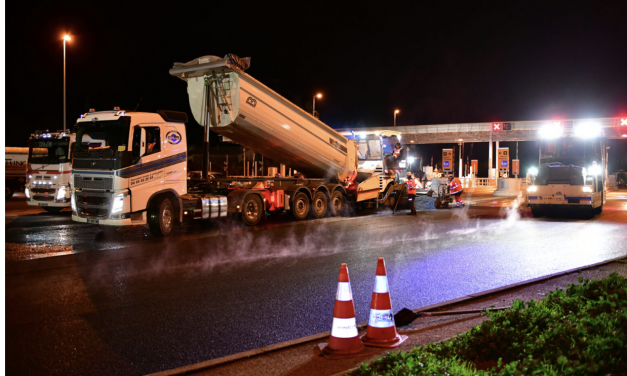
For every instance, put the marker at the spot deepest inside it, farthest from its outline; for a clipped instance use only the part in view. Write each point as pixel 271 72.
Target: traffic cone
pixel 344 341
pixel 381 331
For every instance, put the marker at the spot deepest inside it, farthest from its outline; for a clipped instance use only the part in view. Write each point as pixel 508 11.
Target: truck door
pixel 147 176
pixel 175 153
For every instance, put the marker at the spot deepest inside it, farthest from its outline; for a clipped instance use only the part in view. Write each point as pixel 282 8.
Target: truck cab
pixel 130 168
pixel 48 170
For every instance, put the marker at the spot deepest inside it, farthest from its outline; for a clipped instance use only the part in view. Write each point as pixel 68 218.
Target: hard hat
pixel 409 174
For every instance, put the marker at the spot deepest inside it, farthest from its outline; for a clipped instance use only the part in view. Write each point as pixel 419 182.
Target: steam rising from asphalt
pixel 236 244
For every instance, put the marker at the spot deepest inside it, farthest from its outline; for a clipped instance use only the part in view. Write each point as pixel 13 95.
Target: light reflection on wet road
pixel 163 303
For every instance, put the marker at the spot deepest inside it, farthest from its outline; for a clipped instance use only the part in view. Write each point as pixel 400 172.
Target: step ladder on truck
pixel 140 175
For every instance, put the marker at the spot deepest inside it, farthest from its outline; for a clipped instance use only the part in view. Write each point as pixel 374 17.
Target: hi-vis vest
pixel 397 152
pixel 411 187
pixel 456 186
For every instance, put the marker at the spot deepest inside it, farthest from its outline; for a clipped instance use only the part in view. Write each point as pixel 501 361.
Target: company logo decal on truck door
pixel 251 101
pixel 173 137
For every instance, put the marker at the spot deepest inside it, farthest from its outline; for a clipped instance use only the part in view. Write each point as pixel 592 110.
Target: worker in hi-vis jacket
pixel 456 190
pixel 411 193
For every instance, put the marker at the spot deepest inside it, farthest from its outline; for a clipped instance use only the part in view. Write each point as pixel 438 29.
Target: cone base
pixel 338 354
pixel 387 343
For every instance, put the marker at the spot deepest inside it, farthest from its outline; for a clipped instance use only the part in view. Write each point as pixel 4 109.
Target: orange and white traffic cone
pixel 344 341
pixel 381 331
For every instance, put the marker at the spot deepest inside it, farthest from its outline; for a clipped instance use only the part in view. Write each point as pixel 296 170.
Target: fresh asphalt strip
pixel 193 368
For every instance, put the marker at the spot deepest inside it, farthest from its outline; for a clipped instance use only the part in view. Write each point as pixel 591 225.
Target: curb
pixel 185 370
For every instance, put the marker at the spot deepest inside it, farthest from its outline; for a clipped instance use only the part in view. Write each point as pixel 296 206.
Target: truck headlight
pixel 532 188
pixel 587 189
pixel 118 203
pixel 61 193
pixel 27 193
pixel 73 200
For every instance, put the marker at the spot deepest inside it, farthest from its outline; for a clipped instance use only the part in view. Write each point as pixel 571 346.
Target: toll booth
pixel 503 161
pixel 448 164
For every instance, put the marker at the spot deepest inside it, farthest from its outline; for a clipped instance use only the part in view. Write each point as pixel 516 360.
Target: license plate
pixel 94 221
pixel 43 204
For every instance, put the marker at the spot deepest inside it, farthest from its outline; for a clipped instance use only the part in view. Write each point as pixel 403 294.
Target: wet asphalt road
pixel 135 304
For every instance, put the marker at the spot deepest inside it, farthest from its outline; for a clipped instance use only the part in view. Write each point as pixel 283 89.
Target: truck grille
pixel 43 198
pixel 92 204
pixel 43 190
pixel 85 182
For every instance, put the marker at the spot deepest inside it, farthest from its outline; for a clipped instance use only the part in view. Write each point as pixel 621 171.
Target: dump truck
pixel 139 175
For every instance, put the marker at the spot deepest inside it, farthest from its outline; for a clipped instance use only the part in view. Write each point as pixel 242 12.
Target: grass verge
pixel 580 331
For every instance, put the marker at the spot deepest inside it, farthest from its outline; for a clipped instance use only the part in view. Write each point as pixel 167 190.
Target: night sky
pixel 438 62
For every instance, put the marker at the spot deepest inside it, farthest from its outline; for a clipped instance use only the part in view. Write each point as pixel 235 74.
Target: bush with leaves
pixel 580 331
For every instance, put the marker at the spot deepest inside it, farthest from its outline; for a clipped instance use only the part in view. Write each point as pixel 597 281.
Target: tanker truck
pixel 139 175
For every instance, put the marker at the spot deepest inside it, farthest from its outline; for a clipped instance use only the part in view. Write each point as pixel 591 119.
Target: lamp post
pixel 313 112
pixel 395 112
pixel 66 38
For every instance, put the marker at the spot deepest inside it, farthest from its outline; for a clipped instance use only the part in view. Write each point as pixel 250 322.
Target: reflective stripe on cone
pixel 344 340
pixel 381 331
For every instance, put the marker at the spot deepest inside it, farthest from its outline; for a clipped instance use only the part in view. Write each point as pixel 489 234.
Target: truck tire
pixel 52 209
pixel 252 210
pixel 300 207
pixel 319 205
pixel 8 191
pixel 336 206
pixel 161 216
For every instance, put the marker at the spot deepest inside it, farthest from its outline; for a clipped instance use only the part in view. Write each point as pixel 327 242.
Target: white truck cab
pixel 141 158
pixel 48 170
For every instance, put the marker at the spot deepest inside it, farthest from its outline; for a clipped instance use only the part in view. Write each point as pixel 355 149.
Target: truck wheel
pixel 336 206
pixel 161 217
pixel 52 209
pixel 301 206
pixel 252 210
pixel 319 205
pixel 598 210
pixel 8 191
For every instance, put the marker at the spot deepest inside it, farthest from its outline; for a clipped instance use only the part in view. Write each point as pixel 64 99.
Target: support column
pixel 496 176
pixel 490 157
pixel 461 160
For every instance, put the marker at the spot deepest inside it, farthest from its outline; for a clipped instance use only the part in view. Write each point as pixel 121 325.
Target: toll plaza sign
pixel 447 160
pixel 503 158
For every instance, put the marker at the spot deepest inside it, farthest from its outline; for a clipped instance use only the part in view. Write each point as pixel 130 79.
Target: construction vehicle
pixel 139 175
pixel 573 170
pixel 49 170
pixel 15 159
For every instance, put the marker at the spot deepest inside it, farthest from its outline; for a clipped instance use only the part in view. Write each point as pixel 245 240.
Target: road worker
pixel 456 190
pixel 397 150
pixel 411 193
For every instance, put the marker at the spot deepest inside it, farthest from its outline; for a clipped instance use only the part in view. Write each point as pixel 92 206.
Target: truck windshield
pixel 49 150
pixel 114 133
pixel 573 151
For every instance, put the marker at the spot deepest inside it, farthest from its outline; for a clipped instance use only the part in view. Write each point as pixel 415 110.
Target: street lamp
pixel 66 38
pixel 313 112
pixel 395 112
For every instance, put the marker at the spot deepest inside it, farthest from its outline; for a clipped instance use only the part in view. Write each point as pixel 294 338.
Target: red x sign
pixel 623 121
pixel 496 127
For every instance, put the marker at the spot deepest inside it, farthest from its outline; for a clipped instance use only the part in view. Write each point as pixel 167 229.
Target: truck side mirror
pixel 142 148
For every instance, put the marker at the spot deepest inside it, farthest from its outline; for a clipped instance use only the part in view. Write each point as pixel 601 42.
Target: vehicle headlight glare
pixel 118 203
pixel 532 188
pixel 533 171
pixel 61 193
pixel 73 200
pixel 587 189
